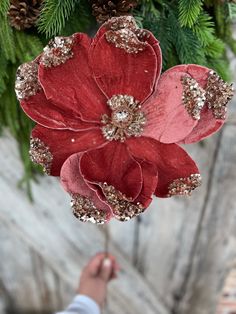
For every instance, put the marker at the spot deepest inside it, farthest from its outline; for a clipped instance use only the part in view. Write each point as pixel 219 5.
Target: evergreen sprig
pixel 189 11
pixel 54 16
pixel 4 7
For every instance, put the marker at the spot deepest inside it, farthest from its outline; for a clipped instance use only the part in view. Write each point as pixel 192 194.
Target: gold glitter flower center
pixel 122 117
pixel 126 118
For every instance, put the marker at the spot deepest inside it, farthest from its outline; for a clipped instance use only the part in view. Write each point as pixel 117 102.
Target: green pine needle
pixel 161 30
pixel 3 72
pixel 4 7
pixel 186 43
pixel 54 15
pixel 80 20
pixel 215 49
pixel 189 11
pixel 204 28
pixel 6 39
pixel 28 46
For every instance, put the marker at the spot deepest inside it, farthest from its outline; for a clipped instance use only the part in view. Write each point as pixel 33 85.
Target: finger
pixel 106 269
pixel 94 264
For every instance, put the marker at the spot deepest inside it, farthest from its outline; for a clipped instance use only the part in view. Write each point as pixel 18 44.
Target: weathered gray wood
pixel 26 281
pixel 168 229
pixel 216 240
pixel 48 228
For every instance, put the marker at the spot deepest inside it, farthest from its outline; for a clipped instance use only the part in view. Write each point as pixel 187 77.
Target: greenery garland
pixel 189 31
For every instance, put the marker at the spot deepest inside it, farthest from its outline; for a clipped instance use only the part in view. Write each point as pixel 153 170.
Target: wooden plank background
pixel 174 258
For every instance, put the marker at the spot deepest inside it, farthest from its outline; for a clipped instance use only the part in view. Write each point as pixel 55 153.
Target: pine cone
pixel 24 14
pixel 105 9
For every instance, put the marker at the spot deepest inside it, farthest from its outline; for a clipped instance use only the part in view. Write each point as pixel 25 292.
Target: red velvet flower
pixel 110 126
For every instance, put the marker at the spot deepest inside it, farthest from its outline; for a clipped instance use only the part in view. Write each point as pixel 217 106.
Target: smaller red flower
pixel 110 126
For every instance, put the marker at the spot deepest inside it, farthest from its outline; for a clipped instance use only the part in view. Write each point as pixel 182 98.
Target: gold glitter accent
pixel 85 210
pixel 58 51
pixel 40 154
pixel 27 83
pixel 218 94
pixel 126 119
pixel 128 22
pixel 125 39
pixel 184 186
pixel 122 207
pixel 194 97
pixel 117 23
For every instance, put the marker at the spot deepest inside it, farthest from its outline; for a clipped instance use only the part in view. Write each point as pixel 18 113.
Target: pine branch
pixel 4 7
pixel 54 15
pixel 80 20
pixel 161 29
pixel 6 39
pixel 189 11
pixel 204 28
pixel 215 49
pixel 187 45
pixel 28 46
pixel 3 72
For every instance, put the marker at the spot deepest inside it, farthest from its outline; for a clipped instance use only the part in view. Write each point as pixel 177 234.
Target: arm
pixel 93 285
pixel 82 305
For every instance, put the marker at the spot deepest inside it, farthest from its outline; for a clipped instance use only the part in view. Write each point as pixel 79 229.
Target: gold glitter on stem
pixel 184 186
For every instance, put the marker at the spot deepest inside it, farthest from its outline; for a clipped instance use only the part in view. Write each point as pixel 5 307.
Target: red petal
pixel 114 165
pixel 150 178
pixel 206 126
pixel 167 119
pixel 71 84
pixel 63 144
pixel 119 72
pixel 50 115
pixel 171 160
pixel 151 39
pixel 73 182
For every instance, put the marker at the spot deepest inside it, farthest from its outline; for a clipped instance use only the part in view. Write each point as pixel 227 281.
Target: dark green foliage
pixel 189 31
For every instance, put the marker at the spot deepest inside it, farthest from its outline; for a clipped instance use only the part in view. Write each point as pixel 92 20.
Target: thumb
pixel 106 269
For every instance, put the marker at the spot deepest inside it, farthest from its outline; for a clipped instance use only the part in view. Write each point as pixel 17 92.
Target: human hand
pixel 96 275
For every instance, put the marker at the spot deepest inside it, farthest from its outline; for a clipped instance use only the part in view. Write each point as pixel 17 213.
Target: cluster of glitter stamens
pixel 85 210
pixel 125 39
pixel 124 33
pixel 126 119
pixel 184 186
pixel 218 94
pixel 194 96
pixel 27 83
pixel 122 206
pixel 58 51
pixel 40 154
pixel 121 22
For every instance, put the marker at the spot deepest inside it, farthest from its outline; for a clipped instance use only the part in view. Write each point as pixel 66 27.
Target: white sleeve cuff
pixel 82 304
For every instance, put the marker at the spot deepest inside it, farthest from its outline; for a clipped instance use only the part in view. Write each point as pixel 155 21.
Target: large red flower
pixel 110 126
